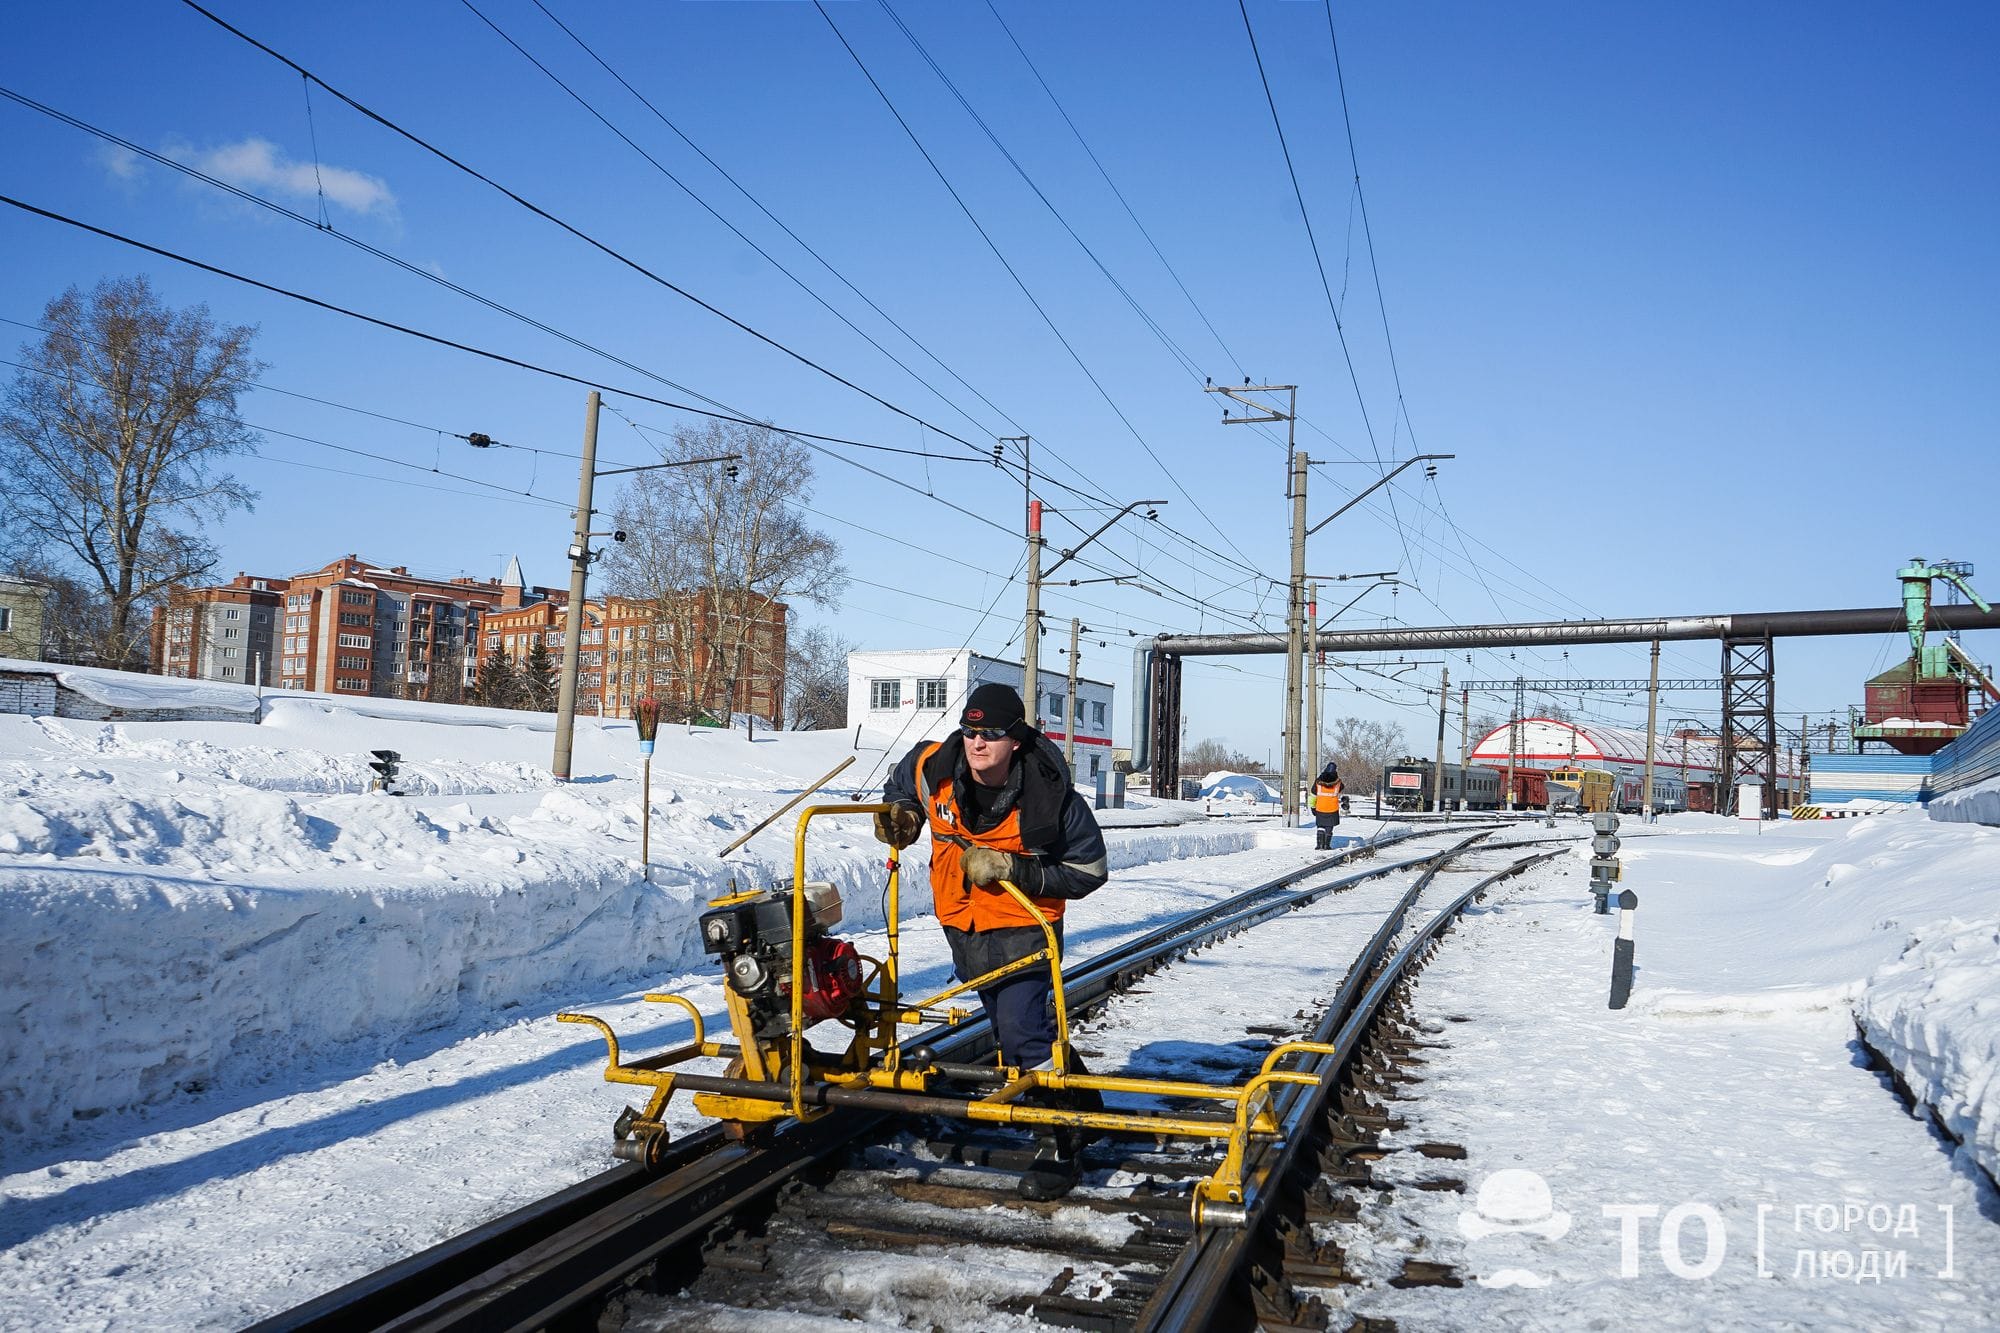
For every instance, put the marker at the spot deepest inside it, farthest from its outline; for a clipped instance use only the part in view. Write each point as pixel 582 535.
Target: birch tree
pixel 111 441
pixel 713 552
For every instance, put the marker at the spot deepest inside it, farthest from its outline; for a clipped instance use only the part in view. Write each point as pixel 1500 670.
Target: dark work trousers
pixel 1019 1007
pixel 1327 821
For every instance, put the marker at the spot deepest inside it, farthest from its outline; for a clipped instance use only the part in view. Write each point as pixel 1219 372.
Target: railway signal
pixel 1605 869
pixel 386 764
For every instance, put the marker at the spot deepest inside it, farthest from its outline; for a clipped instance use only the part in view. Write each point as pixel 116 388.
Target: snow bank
pixel 1934 1015
pixel 1978 804
pixel 184 909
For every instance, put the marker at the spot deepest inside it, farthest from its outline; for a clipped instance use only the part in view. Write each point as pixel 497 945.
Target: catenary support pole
pixel 1295 633
pixel 1031 634
pixel 1310 769
pixel 1070 707
pixel 1652 722
pixel 1464 746
pixel 1444 706
pixel 579 567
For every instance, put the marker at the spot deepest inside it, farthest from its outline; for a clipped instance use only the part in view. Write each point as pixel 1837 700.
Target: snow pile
pixel 1934 1015
pixel 192 904
pixel 1978 804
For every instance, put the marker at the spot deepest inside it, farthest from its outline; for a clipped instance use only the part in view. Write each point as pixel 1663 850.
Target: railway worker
pixel 1001 804
pixel 1326 804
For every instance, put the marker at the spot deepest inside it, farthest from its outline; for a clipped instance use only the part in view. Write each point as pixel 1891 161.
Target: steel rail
pixel 557 1252
pixel 1202 1286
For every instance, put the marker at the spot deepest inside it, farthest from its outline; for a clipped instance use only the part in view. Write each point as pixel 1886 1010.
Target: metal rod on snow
pixel 771 818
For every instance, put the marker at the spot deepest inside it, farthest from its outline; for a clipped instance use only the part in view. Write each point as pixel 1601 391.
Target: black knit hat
pixel 996 706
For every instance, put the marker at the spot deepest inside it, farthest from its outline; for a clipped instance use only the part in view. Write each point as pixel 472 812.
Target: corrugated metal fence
pixel 1971 759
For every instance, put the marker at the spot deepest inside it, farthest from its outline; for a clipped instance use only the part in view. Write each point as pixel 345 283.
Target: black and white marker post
pixel 1621 952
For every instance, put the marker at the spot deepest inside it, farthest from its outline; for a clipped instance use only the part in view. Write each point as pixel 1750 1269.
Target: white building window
pixel 354 640
pixel 231 632
pixel 232 613
pixel 1096 720
pixel 229 652
pixel 885 695
pixel 931 694
pixel 1055 710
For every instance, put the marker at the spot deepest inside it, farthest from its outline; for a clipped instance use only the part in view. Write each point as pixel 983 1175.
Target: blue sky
pixel 1702 297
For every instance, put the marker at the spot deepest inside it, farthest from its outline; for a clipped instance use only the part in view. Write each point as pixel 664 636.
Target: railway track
pixel 779 1217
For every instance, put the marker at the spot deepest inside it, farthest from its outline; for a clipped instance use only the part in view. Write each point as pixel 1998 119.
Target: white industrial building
pixel 916 695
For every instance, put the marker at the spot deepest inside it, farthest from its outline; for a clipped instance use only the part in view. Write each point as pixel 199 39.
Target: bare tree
pixel 110 439
pixel 816 679
pixel 715 553
pixel 1210 755
pixel 1363 747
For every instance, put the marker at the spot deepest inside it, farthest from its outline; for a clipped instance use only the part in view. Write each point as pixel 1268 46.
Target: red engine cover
pixel 832 979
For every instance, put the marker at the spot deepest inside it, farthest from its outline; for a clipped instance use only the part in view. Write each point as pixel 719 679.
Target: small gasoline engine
pixel 752 933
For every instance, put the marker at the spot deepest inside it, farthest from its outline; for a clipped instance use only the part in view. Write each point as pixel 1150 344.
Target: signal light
pixel 385 764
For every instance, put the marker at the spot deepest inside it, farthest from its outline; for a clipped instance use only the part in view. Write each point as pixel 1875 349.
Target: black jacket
pixel 1066 848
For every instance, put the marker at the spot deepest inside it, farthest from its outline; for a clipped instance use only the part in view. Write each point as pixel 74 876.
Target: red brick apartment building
pixel 354 627
pixel 689 654
pixel 349 627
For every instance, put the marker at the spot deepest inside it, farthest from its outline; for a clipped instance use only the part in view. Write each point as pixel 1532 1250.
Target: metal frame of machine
pixel 775 1074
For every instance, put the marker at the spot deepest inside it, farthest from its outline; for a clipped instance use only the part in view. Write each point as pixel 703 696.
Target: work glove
pixel 984 866
pixel 899 825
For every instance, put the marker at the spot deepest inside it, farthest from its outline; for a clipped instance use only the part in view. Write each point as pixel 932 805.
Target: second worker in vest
pixel 1000 804
pixel 1326 804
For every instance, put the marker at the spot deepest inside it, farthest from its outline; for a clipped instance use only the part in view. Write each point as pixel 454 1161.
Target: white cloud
pixel 119 162
pixel 257 164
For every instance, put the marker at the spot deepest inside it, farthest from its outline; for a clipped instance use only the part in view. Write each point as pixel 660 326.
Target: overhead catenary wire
pixel 577 232
pixel 971 217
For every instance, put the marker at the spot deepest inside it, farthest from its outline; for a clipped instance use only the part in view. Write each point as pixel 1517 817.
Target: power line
pixel 602 247
pixel 1119 194
pixel 1012 273
pixel 736 231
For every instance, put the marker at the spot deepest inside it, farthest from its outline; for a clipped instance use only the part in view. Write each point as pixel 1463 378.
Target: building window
pixel 346 684
pixel 353 664
pixel 931 694
pixel 6 619
pixel 1055 707
pixel 232 613
pixel 354 641
pixel 350 597
pixel 885 695
pixel 231 632
pixel 354 618
pixel 1093 765
pixel 229 652
pixel 1097 720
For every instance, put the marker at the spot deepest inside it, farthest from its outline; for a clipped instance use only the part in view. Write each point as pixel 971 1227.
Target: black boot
pixel 1054 1171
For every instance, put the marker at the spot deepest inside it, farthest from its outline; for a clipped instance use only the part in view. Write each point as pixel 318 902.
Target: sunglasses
pixel 984 733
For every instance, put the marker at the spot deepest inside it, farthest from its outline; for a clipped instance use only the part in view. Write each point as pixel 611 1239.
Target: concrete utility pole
pixel 1444 706
pixel 1031 632
pixel 1295 592
pixel 1312 680
pixel 1652 720
pixel 579 565
pixel 1069 727
pixel 1513 743
pixel 580 558
pixel 1464 745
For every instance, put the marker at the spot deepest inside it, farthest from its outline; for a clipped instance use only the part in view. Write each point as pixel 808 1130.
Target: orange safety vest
pixel 960 903
pixel 1326 798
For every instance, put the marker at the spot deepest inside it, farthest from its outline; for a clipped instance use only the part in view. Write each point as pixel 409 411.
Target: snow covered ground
pixel 265 1031
pixel 239 987
pixel 1717 1155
